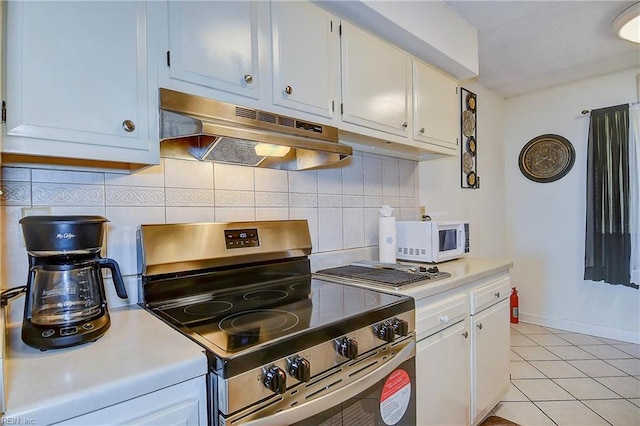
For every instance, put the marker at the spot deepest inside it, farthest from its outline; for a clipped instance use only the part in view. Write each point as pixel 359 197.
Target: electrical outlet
pixel 423 211
pixel 36 211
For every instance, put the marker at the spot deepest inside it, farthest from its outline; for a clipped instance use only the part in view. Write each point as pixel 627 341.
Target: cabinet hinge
pixel 456 90
pixel 331 26
pixel 4 112
pixel 340 30
pixel 333 106
pixel 168 58
pixel 341 108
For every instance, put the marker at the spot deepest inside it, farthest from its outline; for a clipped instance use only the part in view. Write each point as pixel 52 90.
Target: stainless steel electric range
pixel 284 347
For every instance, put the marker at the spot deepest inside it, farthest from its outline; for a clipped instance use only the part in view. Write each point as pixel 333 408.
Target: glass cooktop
pixel 229 322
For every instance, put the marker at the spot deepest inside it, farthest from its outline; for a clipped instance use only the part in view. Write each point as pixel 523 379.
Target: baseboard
pixel 583 328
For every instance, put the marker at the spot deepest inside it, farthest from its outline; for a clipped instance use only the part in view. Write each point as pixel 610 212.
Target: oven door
pixel 386 396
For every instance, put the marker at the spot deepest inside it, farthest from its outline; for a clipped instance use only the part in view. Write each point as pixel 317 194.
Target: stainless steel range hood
pixel 208 130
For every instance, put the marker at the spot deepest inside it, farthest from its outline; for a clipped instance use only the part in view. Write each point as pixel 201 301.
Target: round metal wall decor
pixel 546 158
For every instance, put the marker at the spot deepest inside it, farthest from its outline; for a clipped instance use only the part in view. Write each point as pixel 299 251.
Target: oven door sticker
pixel 395 397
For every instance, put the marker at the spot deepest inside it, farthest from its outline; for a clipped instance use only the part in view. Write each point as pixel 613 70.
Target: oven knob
pixel 275 379
pixel 300 368
pixel 385 332
pixel 348 348
pixel 401 327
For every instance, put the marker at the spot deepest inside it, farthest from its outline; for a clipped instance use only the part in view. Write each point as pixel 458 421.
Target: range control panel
pixel 239 238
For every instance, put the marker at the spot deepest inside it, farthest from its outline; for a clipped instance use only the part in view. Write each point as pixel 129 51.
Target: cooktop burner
pixel 265 295
pixel 252 322
pixel 206 309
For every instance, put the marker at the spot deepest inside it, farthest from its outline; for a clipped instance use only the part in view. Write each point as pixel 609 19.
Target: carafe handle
pixel 112 265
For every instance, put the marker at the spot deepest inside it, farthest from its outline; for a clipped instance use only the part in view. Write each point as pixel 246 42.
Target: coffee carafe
pixel 65 301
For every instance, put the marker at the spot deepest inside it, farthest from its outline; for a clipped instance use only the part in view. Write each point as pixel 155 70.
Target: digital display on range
pixel 239 238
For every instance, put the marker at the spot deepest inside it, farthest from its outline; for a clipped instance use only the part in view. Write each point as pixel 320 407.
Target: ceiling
pixel 525 46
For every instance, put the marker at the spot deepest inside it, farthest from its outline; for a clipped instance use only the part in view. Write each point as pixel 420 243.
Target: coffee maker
pixel 65 302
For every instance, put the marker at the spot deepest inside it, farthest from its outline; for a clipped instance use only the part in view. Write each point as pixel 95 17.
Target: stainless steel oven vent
pixel 192 127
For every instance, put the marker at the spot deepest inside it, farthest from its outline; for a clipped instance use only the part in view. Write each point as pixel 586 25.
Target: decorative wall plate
pixel 468 123
pixel 467 162
pixel 471 102
pixel 471 179
pixel 546 158
pixel 471 145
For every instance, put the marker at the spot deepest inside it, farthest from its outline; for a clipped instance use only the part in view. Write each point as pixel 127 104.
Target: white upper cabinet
pixel 435 107
pixel 215 45
pixel 306 58
pixel 376 83
pixel 76 81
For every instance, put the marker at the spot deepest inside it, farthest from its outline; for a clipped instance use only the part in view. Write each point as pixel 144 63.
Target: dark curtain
pixel 608 237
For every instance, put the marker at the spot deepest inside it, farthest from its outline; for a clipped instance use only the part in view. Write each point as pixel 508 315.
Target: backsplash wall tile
pixel 340 203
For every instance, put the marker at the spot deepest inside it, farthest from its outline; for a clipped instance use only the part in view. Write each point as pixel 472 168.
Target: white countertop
pixel 463 271
pixel 137 355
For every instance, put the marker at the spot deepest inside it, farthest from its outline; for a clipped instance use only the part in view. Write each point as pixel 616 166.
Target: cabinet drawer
pixel 435 316
pixel 490 294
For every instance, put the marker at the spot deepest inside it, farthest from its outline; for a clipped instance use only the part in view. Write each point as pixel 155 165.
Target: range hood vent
pixel 192 127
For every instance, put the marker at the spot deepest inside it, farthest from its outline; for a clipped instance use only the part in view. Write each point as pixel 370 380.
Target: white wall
pixel 546 222
pixel 484 207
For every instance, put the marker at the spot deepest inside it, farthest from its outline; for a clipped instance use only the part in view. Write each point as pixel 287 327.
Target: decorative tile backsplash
pixel 340 202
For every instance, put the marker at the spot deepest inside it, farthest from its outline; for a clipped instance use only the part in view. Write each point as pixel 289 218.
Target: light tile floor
pixel 564 378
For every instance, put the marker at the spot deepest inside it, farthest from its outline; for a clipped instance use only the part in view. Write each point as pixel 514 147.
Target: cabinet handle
pixel 465 334
pixel 444 319
pixel 128 126
pixel 496 294
pixel 480 326
pixel 248 78
pixel 421 131
pixel 288 90
pixel 404 125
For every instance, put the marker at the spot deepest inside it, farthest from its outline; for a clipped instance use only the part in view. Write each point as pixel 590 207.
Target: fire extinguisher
pixel 514 305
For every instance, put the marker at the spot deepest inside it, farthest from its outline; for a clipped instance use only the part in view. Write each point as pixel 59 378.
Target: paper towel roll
pixel 387 239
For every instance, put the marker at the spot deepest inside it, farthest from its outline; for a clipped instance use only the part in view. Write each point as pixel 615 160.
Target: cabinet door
pixel 215 45
pixel 77 73
pixel 490 346
pixel 306 57
pixel 375 82
pixel 442 371
pixel 435 110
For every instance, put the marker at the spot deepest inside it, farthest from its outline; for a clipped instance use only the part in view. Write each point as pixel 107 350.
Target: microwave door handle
pixel 323 403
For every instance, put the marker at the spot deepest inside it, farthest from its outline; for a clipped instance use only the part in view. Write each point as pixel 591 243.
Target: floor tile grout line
pixel 587 376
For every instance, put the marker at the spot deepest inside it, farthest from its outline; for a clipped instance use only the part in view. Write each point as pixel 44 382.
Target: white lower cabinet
pixel 182 404
pixel 462 360
pixel 490 346
pixel 442 365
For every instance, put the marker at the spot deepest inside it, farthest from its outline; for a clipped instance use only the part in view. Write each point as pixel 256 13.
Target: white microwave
pixel 432 241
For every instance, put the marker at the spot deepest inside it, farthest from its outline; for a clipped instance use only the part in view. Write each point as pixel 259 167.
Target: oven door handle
pixel 316 406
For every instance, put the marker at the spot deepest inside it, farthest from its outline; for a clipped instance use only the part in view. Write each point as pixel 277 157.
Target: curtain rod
pixel 587 111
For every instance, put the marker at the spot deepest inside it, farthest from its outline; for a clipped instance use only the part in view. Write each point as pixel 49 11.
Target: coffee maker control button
pixel 48 333
pixel 68 331
pixel 88 326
